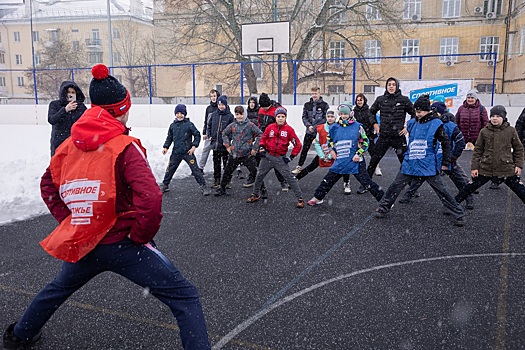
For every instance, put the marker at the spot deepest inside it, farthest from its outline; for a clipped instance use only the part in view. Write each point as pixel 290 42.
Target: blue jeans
pixel 142 264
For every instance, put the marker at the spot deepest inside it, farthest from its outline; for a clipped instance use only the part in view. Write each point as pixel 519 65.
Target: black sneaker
pixel 220 192
pixel 361 190
pixel 12 342
pixel 264 193
pixel 470 203
pixel 459 222
pixel 379 213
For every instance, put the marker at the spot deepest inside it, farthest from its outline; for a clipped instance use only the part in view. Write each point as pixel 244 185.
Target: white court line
pixel 241 327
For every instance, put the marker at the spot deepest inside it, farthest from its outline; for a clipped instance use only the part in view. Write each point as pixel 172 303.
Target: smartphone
pixel 70 98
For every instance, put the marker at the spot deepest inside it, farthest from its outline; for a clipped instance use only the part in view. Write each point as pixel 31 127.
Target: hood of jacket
pixel 448 117
pixel 365 104
pixel 256 108
pixel 94 128
pixel 398 90
pixel 63 92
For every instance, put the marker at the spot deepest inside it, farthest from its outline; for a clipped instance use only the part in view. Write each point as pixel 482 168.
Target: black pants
pixel 513 182
pixel 175 160
pixel 398 143
pixel 220 155
pixel 331 178
pixel 233 163
pixel 314 165
pixel 307 143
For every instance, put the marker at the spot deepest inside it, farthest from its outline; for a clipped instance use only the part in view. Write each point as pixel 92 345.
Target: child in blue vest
pixel 457 145
pixel 421 161
pixel 348 142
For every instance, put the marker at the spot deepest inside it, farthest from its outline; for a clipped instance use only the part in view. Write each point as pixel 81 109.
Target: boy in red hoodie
pixel 273 148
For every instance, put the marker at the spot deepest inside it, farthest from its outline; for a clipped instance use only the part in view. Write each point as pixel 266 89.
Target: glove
pixel 291 157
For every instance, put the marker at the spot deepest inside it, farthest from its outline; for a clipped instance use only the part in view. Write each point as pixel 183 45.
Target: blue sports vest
pixel 345 139
pixel 449 129
pixel 421 156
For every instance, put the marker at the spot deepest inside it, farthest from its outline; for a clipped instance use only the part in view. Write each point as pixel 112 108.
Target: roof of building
pixel 15 10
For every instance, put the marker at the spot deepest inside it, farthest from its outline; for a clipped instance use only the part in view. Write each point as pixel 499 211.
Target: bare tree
pixel 210 30
pixel 55 63
pixel 134 47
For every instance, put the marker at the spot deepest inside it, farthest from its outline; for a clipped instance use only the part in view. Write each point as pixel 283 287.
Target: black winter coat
pixel 184 135
pixel 363 116
pixel 520 126
pixel 219 120
pixel 393 109
pixel 61 120
pixel 314 113
pixel 209 110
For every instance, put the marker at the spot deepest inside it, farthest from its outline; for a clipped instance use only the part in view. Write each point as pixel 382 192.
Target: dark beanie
pixel 181 108
pixel 280 110
pixel 439 107
pixel 499 110
pixel 264 100
pixel 223 100
pixel 105 91
pixel 422 103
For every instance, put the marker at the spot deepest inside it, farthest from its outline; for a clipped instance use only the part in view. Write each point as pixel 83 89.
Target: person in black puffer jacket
pixel 393 108
pixel 64 112
pixel 252 110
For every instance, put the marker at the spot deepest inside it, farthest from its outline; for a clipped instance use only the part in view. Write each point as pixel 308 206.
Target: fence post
pixel 294 82
pixel 354 75
pixel 193 83
pixel 494 78
pixel 73 75
pixel 420 68
pixel 150 86
pixel 241 80
pixel 34 85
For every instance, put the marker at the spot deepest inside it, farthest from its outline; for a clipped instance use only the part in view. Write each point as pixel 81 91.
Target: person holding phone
pixel 64 112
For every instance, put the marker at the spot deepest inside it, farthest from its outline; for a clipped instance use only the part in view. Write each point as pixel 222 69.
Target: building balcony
pixel 93 43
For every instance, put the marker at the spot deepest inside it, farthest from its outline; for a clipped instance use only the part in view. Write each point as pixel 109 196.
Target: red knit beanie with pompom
pixel 105 91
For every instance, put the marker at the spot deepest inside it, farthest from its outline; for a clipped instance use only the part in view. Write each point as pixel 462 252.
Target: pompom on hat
pixel 106 92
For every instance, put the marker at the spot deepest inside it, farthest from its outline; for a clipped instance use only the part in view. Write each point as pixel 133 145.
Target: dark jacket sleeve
pixel 205 128
pixel 169 138
pixel 520 126
pixel 373 111
pixel 459 144
pixel 409 108
pixel 55 112
pixel 517 151
pixel 147 198
pixel 196 135
pixel 442 137
pixel 306 118
pixel 51 197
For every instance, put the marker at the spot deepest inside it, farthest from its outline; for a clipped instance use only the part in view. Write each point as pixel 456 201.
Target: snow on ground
pixel 26 157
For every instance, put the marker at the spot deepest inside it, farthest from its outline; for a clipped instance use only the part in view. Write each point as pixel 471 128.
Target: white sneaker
pixel 347 189
pixel 315 201
pixel 297 170
pixel 378 171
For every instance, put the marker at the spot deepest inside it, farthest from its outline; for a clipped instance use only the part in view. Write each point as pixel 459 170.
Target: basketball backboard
pixel 265 38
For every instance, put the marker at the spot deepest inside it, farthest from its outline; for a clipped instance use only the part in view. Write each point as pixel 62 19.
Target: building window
pixel 20 81
pixel 336 89
pixel 0 37
pixel 117 57
pixel 410 48
pixel 448 46
pixel 95 57
pixel 337 50
pixel 75 45
pixel 369 89
pixel 116 33
pixel 372 13
pixel 38 59
pixel 412 9
pixel 18 59
pixel 492 6
pixel 2 81
pixel 257 66
pixel 53 35
pixel 2 58
pixel 17 36
pixel 95 38
pixel 337 12
pixel 486 88
pixel 373 51
pixel 451 8
pixel 488 44
pixel 74 30
pixel 36 36
pixel 511 45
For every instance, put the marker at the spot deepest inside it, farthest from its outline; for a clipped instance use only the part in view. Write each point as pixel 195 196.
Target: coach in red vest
pixel 101 190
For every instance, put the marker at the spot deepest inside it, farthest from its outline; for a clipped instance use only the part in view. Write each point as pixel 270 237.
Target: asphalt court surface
pixel 275 277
